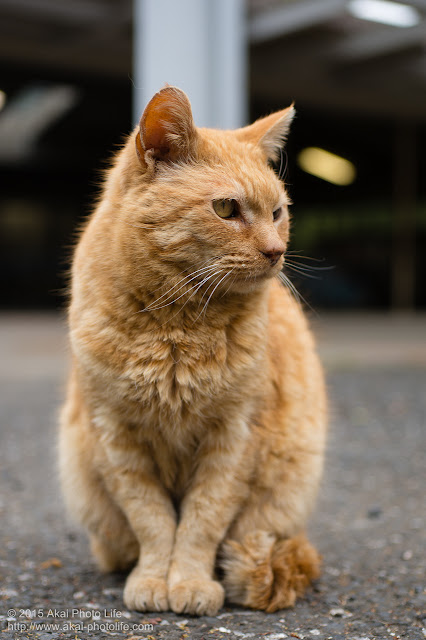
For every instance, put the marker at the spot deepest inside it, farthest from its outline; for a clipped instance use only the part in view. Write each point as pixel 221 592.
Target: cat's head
pixel 210 203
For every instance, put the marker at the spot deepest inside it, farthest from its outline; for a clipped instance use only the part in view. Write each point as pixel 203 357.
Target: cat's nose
pixel 273 255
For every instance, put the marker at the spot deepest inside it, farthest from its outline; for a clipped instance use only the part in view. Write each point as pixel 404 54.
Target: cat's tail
pixel 267 573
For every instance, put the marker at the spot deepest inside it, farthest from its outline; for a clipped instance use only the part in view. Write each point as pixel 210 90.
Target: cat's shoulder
pixel 282 302
pixel 288 322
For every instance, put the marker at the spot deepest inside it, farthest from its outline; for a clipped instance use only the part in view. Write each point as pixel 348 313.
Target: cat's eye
pixel 277 213
pixel 226 208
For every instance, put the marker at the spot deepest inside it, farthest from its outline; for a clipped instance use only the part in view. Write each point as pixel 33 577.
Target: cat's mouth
pixel 234 274
pixel 247 278
pixel 265 271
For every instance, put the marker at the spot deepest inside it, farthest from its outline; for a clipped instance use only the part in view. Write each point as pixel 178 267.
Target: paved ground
pixel 370 523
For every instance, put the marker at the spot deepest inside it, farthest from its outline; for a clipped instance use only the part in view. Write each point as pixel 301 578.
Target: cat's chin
pixel 252 283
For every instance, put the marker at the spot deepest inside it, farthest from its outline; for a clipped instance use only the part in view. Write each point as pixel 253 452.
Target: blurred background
pixel 74 78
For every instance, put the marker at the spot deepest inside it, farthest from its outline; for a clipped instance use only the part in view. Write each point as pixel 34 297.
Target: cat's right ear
pixel 269 133
pixel 166 129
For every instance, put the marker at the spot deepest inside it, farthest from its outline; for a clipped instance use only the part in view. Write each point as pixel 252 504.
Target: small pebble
pixel 29 564
pixel 374 512
pixel 25 576
pixel 8 593
pixel 182 623
pixel 338 612
pixel 244 613
pixel 332 571
pixel 112 592
pixel 376 544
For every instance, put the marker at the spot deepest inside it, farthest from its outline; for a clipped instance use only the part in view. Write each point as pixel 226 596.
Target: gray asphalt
pixel 369 525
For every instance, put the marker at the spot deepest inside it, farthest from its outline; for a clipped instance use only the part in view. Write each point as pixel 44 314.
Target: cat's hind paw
pixel 197 597
pixel 268 574
pixel 145 594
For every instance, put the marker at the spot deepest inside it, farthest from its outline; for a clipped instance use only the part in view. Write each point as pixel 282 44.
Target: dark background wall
pixel 372 232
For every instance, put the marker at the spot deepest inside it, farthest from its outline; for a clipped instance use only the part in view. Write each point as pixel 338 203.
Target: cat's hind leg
pixel 266 558
pixel 110 555
pixel 112 541
pixel 262 571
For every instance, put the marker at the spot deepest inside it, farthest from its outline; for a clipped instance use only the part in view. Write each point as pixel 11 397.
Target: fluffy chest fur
pixel 185 374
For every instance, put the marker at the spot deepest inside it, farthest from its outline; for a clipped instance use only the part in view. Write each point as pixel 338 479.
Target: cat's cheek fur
pixel 193 432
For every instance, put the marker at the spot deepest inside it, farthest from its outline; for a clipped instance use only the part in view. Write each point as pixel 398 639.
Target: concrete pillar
pixel 199 46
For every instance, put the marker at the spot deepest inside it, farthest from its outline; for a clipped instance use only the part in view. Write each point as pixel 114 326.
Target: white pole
pixel 199 46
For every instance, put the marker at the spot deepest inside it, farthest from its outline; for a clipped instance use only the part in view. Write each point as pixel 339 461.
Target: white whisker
pixel 180 281
pixel 301 271
pixel 230 285
pixel 296 294
pixel 173 299
pixel 218 273
pixel 228 273
pixel 189 278
pixel 306 267
pixel 195 288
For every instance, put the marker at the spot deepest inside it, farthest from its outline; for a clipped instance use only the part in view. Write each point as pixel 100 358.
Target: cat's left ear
pixel 167 128
pixel 269 133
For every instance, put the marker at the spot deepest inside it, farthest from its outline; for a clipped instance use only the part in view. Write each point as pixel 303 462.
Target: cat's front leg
pixel 134 485
pixel 217 491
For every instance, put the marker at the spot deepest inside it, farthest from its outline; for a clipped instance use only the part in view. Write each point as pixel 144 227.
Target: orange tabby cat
pixel 192 437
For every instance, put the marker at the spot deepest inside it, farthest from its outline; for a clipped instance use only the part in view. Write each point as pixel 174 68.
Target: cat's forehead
pixel 259 186
pixel 241 170
pixel 224 168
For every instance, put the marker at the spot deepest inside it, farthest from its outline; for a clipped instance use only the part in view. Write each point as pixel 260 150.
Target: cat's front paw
pixel 197 596
pixel 145 594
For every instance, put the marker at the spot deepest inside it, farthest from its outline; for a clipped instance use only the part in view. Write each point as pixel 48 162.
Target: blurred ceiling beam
pixel 284 20
pixel 366 46
pixel 72 36
pixel 311 50
pixel 316 53
pixel 76 11
pixel 373 89
pixel 70 56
